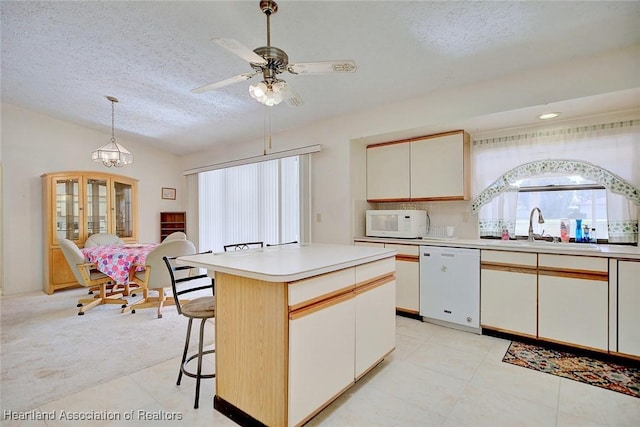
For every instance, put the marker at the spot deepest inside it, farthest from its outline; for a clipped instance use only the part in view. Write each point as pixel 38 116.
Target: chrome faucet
pixel 540 221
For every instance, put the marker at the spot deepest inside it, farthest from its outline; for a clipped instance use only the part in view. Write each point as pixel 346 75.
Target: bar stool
pixel 202 307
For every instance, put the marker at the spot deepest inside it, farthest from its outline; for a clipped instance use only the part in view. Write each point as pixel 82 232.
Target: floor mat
pixel 610 375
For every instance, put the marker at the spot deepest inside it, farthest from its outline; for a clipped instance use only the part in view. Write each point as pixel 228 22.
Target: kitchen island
pixel 296 326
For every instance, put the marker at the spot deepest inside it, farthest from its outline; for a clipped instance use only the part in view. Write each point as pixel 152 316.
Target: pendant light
pixel 112 153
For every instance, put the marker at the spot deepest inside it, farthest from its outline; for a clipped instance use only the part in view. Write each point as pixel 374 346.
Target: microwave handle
pixel 428 223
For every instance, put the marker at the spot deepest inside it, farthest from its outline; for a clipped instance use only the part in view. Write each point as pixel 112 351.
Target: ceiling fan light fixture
pixel 267 94
pixel 112 153
pixel 258 91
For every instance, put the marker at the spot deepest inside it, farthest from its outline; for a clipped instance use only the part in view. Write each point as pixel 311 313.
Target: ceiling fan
pixel 271 61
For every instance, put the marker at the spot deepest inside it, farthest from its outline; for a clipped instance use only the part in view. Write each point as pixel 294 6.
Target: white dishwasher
pixel 450 286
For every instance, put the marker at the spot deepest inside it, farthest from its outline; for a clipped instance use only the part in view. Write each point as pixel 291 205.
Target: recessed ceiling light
pixel 546 116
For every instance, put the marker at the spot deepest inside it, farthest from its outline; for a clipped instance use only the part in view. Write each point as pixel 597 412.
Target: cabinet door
pixel 97 206
pixel 375 324
pixel 508 292
pixel 573 300
pixel 124 209
pixel 407 277
pixel 628 312
pixel 67 209
pixel 388 172
pixel 321 354
pixel 440 167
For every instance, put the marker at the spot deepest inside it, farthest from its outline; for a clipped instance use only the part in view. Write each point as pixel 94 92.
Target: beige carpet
pixel 48 351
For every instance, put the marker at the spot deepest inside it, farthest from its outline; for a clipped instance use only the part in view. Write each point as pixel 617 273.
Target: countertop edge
pixel 606 251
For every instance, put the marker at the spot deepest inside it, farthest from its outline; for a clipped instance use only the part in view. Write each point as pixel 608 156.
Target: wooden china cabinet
pixel 78 204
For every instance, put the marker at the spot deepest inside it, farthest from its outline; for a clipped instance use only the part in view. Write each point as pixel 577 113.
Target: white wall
pixel 33 144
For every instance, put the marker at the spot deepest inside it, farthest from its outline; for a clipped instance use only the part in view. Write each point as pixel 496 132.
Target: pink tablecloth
pixel 116 260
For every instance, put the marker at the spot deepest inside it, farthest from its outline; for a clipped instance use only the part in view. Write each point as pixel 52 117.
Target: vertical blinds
pixel 248 203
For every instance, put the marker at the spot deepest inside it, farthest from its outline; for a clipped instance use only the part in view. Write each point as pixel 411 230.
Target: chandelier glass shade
pixel 269 94
pixel 112 153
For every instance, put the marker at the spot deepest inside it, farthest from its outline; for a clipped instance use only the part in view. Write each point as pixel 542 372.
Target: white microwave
pixel 402 224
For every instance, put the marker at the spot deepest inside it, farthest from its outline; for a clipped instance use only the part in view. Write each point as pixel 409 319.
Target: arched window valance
pixel 507 181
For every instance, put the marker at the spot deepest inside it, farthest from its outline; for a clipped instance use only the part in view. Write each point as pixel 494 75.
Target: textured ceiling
pixel 63 58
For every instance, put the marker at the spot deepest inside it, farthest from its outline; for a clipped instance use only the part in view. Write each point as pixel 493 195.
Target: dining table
pixel 119 261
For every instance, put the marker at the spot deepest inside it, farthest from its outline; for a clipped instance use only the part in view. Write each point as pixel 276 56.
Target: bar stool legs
pixel 198 375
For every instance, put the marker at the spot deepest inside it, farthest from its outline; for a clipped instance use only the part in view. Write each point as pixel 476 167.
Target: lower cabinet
pixel 628 310
pixel 375 324
pixel 407 277
pixel 573 300
pixel 341 325
pixel 321 355
pixel 508 289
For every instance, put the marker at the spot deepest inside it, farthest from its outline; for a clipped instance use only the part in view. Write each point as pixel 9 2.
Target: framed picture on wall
pixel 168 193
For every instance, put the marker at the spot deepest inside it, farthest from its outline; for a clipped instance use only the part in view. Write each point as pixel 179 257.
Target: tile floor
pixel 436 377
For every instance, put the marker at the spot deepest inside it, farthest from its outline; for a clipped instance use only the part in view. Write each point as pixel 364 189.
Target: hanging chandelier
pixel 112 153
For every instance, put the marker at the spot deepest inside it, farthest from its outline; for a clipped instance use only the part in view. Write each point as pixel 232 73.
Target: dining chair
pixel 155 276
pixel 176 235
pixel 100 239
pixel 87 275
pixel 243 246
pixel 201 307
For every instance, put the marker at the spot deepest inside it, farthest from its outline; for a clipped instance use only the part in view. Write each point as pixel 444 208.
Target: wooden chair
pixel 176 235
pixel 202 307
pixel 87 275
pixel 101 239
pixel 155 276
pixel 243 246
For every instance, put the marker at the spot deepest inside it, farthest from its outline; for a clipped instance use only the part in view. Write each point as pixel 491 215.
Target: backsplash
pixel 452 213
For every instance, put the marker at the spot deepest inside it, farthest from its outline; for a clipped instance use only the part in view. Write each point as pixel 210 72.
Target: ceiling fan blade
pixel 346 66
pixel 292 98
pixel 222 83
pixel 241 50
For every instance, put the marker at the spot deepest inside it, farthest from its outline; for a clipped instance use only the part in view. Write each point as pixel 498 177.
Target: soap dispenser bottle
pixel 578 230
pixel 585 234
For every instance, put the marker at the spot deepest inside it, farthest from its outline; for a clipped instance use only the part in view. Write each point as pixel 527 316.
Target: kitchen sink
pixel 545 244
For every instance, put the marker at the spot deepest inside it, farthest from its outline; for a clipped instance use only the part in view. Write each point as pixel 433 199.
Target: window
pixel 561 198
pixel 253 202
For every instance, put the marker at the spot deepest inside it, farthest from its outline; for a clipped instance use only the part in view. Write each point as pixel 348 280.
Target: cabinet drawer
pixel 570 262
pixel 512 258
pixel 314 289
pixel 410 250
pixel 375 270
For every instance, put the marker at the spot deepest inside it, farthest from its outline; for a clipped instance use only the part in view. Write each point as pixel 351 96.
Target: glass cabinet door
pixel 97 206
pixel 67 213
pixel 123 209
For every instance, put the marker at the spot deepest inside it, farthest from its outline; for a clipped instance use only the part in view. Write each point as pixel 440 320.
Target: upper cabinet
pixel 429 168
pixel 77 205
pixel 388 176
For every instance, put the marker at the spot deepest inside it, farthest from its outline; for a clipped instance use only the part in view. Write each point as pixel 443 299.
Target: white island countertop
pixel 287 263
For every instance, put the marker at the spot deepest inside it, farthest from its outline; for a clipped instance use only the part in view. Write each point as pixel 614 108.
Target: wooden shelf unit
pixel 170 222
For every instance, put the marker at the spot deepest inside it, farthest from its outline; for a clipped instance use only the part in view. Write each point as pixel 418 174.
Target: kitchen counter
pixel 296 326
pixel 584 249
